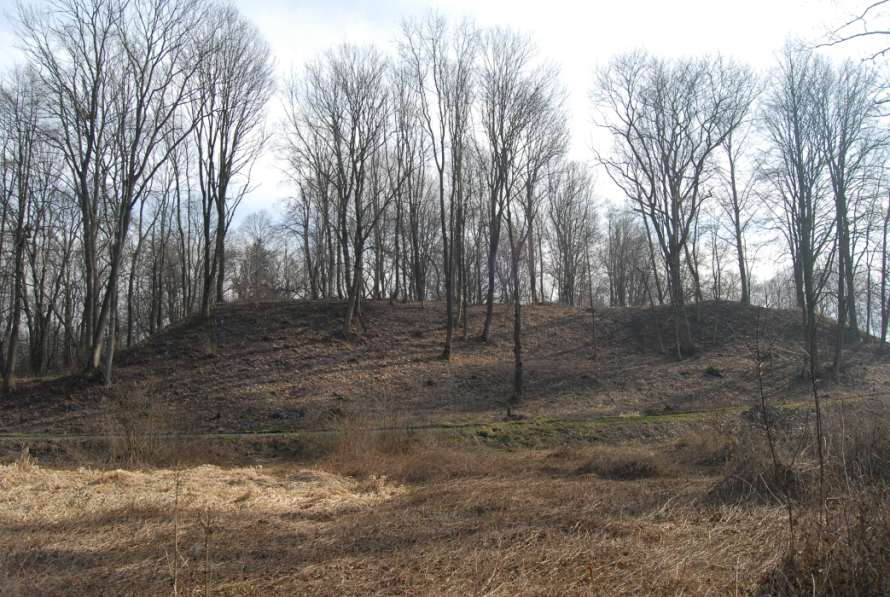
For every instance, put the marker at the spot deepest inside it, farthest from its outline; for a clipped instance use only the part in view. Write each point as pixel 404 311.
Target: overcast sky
pixel 577 36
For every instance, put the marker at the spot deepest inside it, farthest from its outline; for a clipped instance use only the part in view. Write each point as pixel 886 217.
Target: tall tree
pixel 796 168
pixel 338 124
pixel 75 46
pixel 571 218
pixel 667 117
pixel 851 135
pixel 118 74
pixel 522 120
pixel 440 59
pixel 29 177
pixel 544 143
pixel 233 86
pixel 627 261
pixel 514 96
pixel 738 202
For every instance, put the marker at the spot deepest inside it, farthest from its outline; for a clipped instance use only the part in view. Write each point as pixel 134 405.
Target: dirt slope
pixel 279 366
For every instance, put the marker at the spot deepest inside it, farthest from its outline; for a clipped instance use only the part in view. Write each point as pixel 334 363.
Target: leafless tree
pixel 118 77
pixel 74 45
pixel 627 260
pixel 739 201
pixel 571 221
pixel 233 85
pixel 869 24
pixel 406 169
pixel 259 262
pixel 796 168
pixel 514 93
pixel 544 142
pixel 851 135
pixel 519 101
pixel 667 117
pixel 29 169
pixel 338 123
pixel 441 62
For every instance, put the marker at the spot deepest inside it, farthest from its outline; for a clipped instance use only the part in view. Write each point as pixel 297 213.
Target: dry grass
pixel 395 512
pixel 678 506
pixel 839 510
pixel 142 426
pixel 77 532
pixel 621 464
pixel 842 545
pixel 426 519
pixel 849 554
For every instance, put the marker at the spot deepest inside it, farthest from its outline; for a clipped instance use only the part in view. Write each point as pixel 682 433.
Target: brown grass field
pixel 382 470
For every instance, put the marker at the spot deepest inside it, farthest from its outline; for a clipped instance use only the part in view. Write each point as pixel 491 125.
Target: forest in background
pixel 434 169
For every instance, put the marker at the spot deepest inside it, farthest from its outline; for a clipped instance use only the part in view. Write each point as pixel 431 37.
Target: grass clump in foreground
pixel 838 528
pixel 402 513
pixel 835 539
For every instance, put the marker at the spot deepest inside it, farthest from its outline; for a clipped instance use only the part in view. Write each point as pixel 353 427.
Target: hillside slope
pixel 280 366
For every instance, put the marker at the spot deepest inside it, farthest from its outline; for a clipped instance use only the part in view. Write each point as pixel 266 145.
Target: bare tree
pixel 258 263
pixel 667 118
pixel 869 24
pixel 338 118
pixel 627 260
pixel 405 173
pixel 440 60
pixel 571 218
pixel 544 143
pixel 851 135
pixel 74 45
pixel 522 119
pixel 118 77
pixel 514 94
pixel 738 202
pixel 30 171
pixel 233 85
pixel 885 270
pixel 796 169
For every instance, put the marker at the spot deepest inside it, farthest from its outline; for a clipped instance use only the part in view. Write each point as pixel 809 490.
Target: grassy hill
pixel 281 366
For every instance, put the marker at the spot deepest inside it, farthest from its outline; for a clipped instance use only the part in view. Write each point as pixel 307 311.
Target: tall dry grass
pixel 142 425
pixel 399 512
pixel 837 547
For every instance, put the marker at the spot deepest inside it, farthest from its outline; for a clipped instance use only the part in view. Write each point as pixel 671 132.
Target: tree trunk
pixel 492 257
pixel 112 337
pixel 885 300
pixel 532 274
pixel 684 338
pixel 353 296
pixel 737 229
pixel 18 300
pixel 220 251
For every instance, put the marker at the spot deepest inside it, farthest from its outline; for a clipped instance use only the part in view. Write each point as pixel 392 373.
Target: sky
pixel 576 35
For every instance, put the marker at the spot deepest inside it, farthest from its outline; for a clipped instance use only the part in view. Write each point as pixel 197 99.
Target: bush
pixel 751 475
pixel 140 425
